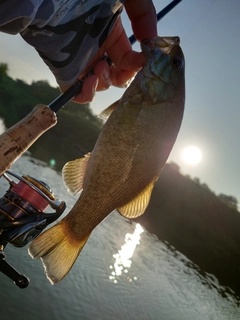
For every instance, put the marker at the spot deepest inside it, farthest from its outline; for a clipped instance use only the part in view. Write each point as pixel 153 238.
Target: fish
pixel 130 152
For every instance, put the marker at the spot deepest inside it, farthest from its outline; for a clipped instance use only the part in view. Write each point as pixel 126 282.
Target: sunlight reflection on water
pixel 122 257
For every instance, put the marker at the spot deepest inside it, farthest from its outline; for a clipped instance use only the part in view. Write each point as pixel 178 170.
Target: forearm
pixel 70 36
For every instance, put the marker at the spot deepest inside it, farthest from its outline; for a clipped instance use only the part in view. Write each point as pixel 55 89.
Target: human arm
pixel 69 43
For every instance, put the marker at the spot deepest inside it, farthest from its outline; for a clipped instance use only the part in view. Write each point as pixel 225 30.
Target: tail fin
pixel 56 251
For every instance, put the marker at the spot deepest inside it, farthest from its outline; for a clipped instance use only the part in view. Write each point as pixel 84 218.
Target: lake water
pixel 156 283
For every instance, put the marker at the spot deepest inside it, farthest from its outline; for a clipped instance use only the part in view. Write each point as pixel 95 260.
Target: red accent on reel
pixel 32 196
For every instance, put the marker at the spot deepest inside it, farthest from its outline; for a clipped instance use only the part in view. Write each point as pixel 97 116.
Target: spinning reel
pixel 22 217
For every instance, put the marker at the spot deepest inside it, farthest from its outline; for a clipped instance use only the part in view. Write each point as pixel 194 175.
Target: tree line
pixel 77 129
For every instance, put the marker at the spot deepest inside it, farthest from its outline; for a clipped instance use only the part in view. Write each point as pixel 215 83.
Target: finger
pixel 120 50
pixel 88 90
pixel 102 71
pixel 101 80
pixel 143 19
pixel 121 78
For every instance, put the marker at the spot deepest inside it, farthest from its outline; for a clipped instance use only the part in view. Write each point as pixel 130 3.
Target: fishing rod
pixel 17 139
pixel 22 208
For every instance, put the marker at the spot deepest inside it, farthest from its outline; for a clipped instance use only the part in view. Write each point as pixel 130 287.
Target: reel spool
pixel 22 217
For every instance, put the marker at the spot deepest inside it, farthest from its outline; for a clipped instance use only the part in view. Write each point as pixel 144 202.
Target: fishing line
pixel 30 195
pixel 184 38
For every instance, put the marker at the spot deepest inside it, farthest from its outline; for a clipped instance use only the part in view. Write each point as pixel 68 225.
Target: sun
pixel 192 155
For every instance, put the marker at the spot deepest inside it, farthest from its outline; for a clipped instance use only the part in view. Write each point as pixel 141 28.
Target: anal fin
pixel 138 205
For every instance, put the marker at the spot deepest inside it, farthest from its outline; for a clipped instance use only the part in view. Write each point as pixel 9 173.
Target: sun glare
pixel 192 155
pixel 123 257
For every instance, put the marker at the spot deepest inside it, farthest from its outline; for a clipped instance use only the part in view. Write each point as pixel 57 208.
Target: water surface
pixel 122 273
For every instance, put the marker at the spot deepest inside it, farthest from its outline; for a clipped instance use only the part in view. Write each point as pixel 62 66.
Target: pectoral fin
pixel 138 205
pixel 105 114
pixel 73 174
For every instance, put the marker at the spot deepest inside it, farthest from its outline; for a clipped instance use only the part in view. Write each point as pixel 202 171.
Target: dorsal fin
pixel 138 205
pixel 73 174
pixel 107 112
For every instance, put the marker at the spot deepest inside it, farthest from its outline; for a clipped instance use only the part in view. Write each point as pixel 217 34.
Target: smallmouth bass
pixel 127 159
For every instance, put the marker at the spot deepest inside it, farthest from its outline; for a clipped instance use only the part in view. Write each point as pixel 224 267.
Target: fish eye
pixel 176 62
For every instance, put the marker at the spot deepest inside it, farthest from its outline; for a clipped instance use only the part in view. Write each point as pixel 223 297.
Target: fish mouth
pixel 165 44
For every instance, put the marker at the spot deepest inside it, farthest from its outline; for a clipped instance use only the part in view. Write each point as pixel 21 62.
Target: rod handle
pixel 17 139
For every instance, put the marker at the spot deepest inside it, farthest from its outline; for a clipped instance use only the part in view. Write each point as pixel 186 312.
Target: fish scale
pixel 127 159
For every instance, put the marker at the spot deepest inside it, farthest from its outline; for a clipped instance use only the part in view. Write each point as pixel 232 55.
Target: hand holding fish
pixel 126 62
pixel 127 159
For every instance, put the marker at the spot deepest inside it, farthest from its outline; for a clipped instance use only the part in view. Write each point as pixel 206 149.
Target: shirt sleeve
pixel 66 33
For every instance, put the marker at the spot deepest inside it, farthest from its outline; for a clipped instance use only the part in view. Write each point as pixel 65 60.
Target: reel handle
pixel 16 140
pixel 20 280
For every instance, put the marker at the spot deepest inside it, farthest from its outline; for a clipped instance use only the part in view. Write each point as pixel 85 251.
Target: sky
pixel 210 40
